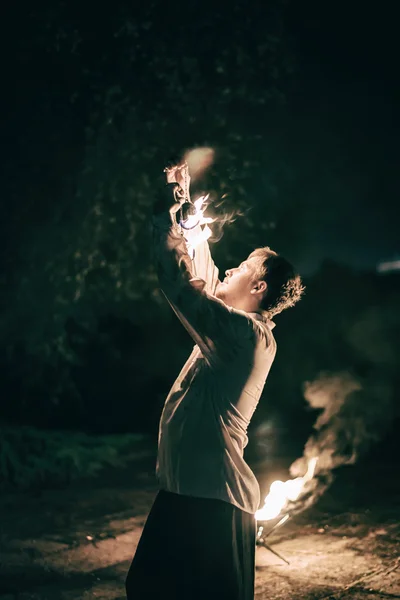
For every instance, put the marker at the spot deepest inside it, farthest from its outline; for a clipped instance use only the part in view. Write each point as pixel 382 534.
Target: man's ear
pixel 259 287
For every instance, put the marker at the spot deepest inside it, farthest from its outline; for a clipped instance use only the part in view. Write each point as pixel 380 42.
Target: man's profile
pixel 199 538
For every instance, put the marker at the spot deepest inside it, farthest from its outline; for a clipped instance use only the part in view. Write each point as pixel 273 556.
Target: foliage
pixel 105 92
pixel 124 370
pixel 33 458
pixel 114 96
pixel 120 93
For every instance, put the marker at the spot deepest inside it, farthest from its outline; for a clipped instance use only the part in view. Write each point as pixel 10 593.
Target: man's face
pixel 238 283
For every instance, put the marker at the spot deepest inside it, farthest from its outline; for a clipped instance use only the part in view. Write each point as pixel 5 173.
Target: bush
pixel 33 458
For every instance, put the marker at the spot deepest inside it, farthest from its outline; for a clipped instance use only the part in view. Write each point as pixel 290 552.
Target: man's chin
pixel 219 290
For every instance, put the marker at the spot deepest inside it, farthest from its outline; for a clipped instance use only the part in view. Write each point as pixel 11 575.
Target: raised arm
pixel 215 327
pixel 202 265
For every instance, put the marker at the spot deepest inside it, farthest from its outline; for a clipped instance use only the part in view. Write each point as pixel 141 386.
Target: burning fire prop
pixel 192 216
pixel 192 220
pixel 192 212
pixel 281 495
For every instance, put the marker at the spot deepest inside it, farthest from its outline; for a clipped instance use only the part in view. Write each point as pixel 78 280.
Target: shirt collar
pixel 263 319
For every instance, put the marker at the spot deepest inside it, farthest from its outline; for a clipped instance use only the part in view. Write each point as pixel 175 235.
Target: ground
pixel 77 543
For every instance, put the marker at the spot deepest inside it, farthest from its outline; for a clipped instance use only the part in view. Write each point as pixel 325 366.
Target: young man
pixel 199 538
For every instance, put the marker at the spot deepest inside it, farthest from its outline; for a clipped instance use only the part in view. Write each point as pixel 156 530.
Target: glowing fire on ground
pixel 283 492
pixel 196 229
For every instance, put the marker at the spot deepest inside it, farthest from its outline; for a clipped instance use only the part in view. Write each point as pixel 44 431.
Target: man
pixel 199 538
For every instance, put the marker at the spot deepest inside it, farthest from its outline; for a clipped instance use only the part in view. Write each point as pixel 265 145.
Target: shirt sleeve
pixel 203 265
pixel 215 327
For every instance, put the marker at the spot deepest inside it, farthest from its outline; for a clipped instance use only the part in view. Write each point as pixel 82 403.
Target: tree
pixel 113 89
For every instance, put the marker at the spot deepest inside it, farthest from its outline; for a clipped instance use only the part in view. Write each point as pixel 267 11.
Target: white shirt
pixel 203 426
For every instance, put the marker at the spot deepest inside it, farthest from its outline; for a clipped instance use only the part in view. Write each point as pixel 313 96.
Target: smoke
pixel 198 160
pixel 355 413
pixel 224 216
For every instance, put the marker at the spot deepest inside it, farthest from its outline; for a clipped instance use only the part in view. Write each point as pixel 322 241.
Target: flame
pixel 282 492
pixel 202 233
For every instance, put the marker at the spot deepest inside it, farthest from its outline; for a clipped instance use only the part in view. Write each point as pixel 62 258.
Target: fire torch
pixel 180 174
pixel 191 217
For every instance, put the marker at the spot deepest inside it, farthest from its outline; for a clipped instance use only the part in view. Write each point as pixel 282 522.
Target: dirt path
pixel 77 543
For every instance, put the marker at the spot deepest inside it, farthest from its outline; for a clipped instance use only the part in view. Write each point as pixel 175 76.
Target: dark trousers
pixel 192 549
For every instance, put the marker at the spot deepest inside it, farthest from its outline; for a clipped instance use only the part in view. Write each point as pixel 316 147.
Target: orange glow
pixel 283 492
pixel 202 233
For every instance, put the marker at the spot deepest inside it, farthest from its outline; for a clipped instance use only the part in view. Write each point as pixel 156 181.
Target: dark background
pixel 299 101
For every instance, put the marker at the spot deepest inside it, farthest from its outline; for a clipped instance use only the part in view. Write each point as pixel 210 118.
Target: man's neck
pixel 248 307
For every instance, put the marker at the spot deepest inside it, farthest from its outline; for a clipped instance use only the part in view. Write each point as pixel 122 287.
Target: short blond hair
pixel 284 285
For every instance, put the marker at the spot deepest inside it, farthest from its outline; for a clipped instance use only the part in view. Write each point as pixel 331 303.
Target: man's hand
pixel 175 197
pixel 179 174
pixel 176 192
pixel 169 198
